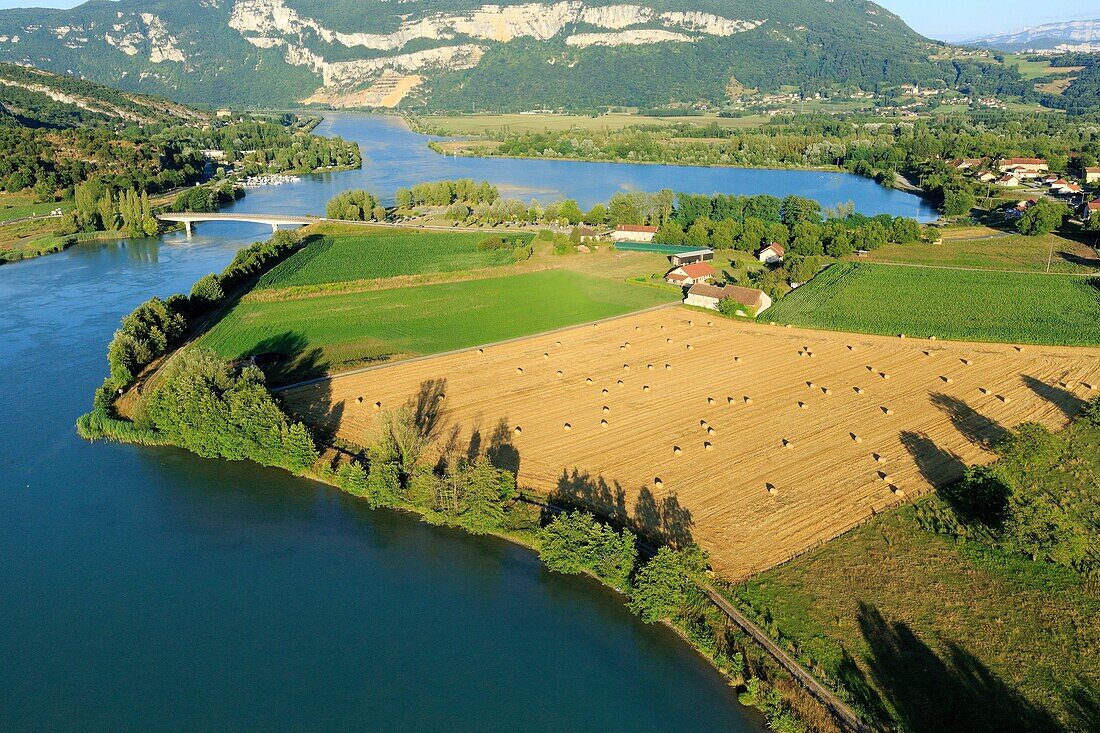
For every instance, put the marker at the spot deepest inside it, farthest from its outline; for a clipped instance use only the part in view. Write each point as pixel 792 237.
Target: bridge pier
pixel 274 227
pixel 187 225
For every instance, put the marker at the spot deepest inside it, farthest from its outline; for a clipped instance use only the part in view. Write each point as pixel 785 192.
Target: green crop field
pixel 1006 307
pixel 331 332
pixel 1012 252
pixel 382 253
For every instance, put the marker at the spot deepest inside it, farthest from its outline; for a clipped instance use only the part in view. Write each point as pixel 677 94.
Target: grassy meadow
pixel 1006 307
pixel 333 332
pixel 997 252
pixel 376 253
pixel 490 124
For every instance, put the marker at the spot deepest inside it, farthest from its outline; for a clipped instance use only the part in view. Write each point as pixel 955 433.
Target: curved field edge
pixel 961 305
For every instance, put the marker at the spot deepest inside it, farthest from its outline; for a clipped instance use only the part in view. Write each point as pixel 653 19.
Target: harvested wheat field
pixel 757 441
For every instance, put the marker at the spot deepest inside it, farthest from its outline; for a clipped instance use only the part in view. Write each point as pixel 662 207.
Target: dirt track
pixel 757 441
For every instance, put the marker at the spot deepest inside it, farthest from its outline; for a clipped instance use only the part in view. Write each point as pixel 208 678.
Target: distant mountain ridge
pixel 469 54
pixel 1069 36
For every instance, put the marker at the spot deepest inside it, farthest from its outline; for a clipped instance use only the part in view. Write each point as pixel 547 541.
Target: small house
pixel 688 275
pixel 750 301
pixel 987 177
pixel 1090 208
pixel 633 233
pixel 1024 167
pixel 587 234
pixel 1092 175
pixel 964 164
pixel 772 254
pixel 1008 181
pixel 691 256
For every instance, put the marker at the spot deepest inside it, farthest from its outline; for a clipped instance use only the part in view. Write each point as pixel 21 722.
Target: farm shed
pixel 691 256
pixel 751 301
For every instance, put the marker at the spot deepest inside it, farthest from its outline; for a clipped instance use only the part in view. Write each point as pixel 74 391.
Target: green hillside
pixel 470 55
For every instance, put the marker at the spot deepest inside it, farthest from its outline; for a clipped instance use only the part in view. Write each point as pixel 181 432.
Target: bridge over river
pixel 188 219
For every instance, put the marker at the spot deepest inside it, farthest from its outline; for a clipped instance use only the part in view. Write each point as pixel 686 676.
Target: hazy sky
pixel 949 20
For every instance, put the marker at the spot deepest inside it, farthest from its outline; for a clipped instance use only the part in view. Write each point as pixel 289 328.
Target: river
pixel 150 589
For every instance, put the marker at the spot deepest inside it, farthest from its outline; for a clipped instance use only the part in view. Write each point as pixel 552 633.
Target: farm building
pixel 691 256
pixel 1024 167
pixel 688 275
pixel 752 301
pixel 587 234
pixel 1092 175
pixel 633 233
pixel 772 254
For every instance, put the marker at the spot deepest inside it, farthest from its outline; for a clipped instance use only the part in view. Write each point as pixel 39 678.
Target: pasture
pixel 379 252
pixel 996 252
pixel 330 332
pixel 490 124
pixel 757 441
pixel 1006 307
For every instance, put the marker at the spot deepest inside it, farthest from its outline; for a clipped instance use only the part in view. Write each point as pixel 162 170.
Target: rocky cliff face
pixel 1077 36
pixel 276 51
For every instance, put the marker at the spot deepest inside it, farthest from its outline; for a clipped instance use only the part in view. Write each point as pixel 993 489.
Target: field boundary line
pixel 823 695
pixel 452 352
pixel 891 263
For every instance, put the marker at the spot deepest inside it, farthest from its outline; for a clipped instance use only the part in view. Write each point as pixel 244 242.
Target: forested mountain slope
pixel 463 54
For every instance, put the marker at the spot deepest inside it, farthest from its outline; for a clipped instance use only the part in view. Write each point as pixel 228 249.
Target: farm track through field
pixel 758 442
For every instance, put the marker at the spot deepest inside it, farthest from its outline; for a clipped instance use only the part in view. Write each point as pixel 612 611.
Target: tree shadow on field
pixel 953 693
pixel 287 358
pixel 428 409
pixel 936 465
pixel 583 491
pixel 502 452
pixel 974 426
pixel 1084 705
pixel 1069 403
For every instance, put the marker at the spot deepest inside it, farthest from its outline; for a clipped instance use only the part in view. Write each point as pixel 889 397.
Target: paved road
pixel 832 703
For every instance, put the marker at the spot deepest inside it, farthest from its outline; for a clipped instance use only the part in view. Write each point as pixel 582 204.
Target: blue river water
pixel 148 589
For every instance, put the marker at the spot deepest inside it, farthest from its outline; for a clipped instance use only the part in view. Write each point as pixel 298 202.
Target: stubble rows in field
pixel 756 441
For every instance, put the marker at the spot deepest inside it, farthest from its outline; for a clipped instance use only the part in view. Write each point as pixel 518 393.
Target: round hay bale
pixel 606 409
pixel 771 489
pixel 811 385
pixel 710 401
pixel 481 351
pixel 676 451
pixel 928 353
pixel 1088 385
pixel 588 380
pixel 858 390
pixel 947 380
pixel 627 344
pixel 883 476
pixel 557 343
pixel 620 383
pixel 887 411
pixel 626 367
pixel 649 367
pixel 787 325
pixel 801 353
pixel 691 323
pixel 1004 398
pixel 440 397
pixel 851 348
pixel 668 367
pixel 603 423
pixel 710 431
pixel 884 375
pixel 710 323
pixel 966 362
pixel 359 400
pixel 1019 349
pixel 737 360
pixel 567 427
pixel 662 328
pixel 637 328
pixel 622 348
pixel 702 423
pixel 748 400
pixel 378 405
pixel 560 374
pixel 604 392
pixel 802 406
pixel 518 430
pixel 983 390
pixel 879 458
pixel 897 490
pixel 645 388
pixel 856 438
pixel 870 368
pixel 690 347
pixel 708 445
pixel 788 444
pixel 668 341
pixel 825 391
pixel 519 370
pixel 901 335
pixel 658 483
pixel 730 400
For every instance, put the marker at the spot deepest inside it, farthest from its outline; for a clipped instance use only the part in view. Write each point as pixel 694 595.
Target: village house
pixel 772 254
pixel 1008 181
pixel 964 164
pixel 587 234
pixel 750 301
pixel 690 256
pixel 1090 208
pixel 633 233
pixel 1092 175
pixel 688 275
pixel 1024 167
pixel 987 177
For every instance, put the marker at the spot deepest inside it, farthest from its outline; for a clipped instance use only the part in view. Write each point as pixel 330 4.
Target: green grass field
pixel 932 633
pixel 1013 252
pixel 332 332
pixel 381 253
pixel 963 305
pixel 518 124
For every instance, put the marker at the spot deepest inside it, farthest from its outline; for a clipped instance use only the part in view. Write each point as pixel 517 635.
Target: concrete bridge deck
pixel 189 218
